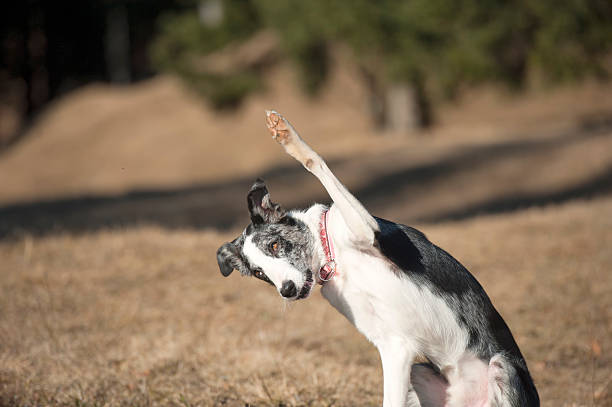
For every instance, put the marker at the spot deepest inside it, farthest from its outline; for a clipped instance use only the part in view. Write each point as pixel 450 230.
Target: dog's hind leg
pixel 359 221
pixel 510 386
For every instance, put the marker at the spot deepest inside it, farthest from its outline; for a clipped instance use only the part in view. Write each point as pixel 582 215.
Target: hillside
pixel 155 154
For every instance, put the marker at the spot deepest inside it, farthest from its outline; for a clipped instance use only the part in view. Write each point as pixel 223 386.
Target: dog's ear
pixel 223 259
pixel 262 209
pixel 229 259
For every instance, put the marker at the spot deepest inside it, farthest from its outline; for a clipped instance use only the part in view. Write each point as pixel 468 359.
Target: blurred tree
pixel 410 52
pixel 186 36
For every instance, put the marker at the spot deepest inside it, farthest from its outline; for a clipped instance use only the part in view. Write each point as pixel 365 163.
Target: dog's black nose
pixel 288 289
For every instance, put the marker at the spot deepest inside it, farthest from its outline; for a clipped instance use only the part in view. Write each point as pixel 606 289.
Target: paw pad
pixel 277 126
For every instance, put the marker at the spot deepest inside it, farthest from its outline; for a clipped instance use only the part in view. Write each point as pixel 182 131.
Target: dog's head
pixel 275 247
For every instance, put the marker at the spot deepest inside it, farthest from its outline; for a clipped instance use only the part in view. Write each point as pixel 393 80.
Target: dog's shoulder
pixel 421 260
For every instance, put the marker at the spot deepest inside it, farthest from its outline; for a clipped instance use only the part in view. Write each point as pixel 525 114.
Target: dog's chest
pixel 382 302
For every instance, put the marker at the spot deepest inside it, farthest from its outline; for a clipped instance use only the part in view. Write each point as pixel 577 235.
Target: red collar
pixel 327 271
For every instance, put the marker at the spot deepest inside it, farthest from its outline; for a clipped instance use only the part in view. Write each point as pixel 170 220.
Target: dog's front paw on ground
pixel 278 127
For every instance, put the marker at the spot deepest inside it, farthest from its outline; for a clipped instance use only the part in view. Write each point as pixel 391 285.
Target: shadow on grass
pixel 223 205
pixel 597 186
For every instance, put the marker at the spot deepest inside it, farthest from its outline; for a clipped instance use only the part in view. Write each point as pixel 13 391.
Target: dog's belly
pixel 382 305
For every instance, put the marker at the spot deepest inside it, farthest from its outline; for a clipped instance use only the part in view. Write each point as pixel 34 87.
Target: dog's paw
pixel 278 127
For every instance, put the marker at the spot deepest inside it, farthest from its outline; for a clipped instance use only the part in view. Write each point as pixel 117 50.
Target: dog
pixel 440 339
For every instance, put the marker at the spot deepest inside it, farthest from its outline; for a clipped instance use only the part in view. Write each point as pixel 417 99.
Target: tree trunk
pixel 400 106
pixel 376 99
pixel 406 107
pixel 117 44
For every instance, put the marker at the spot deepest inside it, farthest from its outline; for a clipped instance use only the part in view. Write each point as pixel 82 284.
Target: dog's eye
pixel 274 247
pixel 262 276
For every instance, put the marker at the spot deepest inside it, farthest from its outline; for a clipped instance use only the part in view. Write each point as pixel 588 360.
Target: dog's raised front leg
pixel 397 359
pixel 359 221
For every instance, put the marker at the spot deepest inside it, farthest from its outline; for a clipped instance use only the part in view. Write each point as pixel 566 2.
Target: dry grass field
pixel 113 206
pixel 143 317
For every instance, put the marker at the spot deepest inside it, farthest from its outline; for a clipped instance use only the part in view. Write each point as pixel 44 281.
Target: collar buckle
pixel 328 270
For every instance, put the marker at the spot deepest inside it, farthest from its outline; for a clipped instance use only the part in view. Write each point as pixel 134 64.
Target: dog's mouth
pixel 307 287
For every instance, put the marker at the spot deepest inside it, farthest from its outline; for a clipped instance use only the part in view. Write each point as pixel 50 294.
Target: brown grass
pixel 143 317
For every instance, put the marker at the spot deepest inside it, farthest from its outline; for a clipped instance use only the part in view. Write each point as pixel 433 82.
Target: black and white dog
pixel 441 341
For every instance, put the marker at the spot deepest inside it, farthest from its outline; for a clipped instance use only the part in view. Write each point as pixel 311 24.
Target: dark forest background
pixel 412 54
